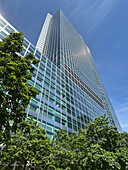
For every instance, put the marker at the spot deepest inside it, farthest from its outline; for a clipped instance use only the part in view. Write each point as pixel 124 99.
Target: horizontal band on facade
pixel 71 76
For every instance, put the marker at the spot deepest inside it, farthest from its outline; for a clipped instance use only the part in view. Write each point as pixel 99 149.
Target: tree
pixel 62 153
pixel 100 146
pixel 29 145
pixel 15 93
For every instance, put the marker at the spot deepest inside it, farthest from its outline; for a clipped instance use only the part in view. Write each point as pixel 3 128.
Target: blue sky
pixel 103 24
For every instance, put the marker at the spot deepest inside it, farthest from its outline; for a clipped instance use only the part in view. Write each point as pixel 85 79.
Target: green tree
pixel 28 145
pixel 15 93
pixel 100 146
pixel 62 153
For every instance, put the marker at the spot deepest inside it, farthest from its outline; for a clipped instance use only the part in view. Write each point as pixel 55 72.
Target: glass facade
pixel 67 50
pixel 67 99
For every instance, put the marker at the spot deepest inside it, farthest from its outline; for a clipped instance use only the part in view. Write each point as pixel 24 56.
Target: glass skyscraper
pixel 71 92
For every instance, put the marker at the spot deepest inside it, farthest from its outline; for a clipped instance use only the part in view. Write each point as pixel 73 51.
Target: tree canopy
pixel 15 93
pixel 98 147
pixel 29 145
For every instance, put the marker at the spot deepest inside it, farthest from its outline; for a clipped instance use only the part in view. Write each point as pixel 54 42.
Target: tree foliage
pixel 15 93
pixel 29 145
pixel 98 147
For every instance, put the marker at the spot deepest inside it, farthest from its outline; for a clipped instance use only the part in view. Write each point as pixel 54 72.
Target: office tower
pixel 71 93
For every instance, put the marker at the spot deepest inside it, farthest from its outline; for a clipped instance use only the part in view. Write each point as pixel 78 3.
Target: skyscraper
pixel 71 92
pixel 66 49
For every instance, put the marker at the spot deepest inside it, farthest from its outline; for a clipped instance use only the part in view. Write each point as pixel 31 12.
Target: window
pixel 63 84
pixel 52 95
pixel 31 82
pixel 47 74
pixel 2 23
pixel 40 75
pixel 38 122
pixel 3 34
pixel 41 69
pixel 68 106
pixel 83 127
pixel 64 123
pixel 34 108
pixel 48 71
pixel 9 29
pixel 62 75
pixel 1 37
pixel 58 81
pixel 25 43
pixel 69 119
pixel 42 66
pixel 49 64
pixel 64 117
pixel 50 109
pixel 82 119
pixel 49 127
pixel 79 125
pixel 70 125
pixel 46 84
pixel 52 88
pixel 75 128
pixel 58 99
pixel 47 80
pixel 50 116
pixel 31 49
pixel 53 78
pixel 64 108
pixel 45 113
pixel 58 92
pixel 74 122
pixel 57 119
pixel 73 114
pixel 50 135
pixel 39 79
pixel 43 124
pixel 37 54
pixel 57 113
pixel 57 104
pixel 53 68
pixel 40 111
pixel 45 106
pixel 35 101
pixel 69 111
pixel 43 59
pixel 56 128
pixel 58 72
pixel 38 87
pixel 51 100
pixel 46 97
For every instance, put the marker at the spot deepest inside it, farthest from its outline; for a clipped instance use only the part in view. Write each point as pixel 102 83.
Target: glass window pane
pixel 43 124
pixel 2 23
pixel 25 43
pixel 57 119
pixel 31 49
pixel 9 29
